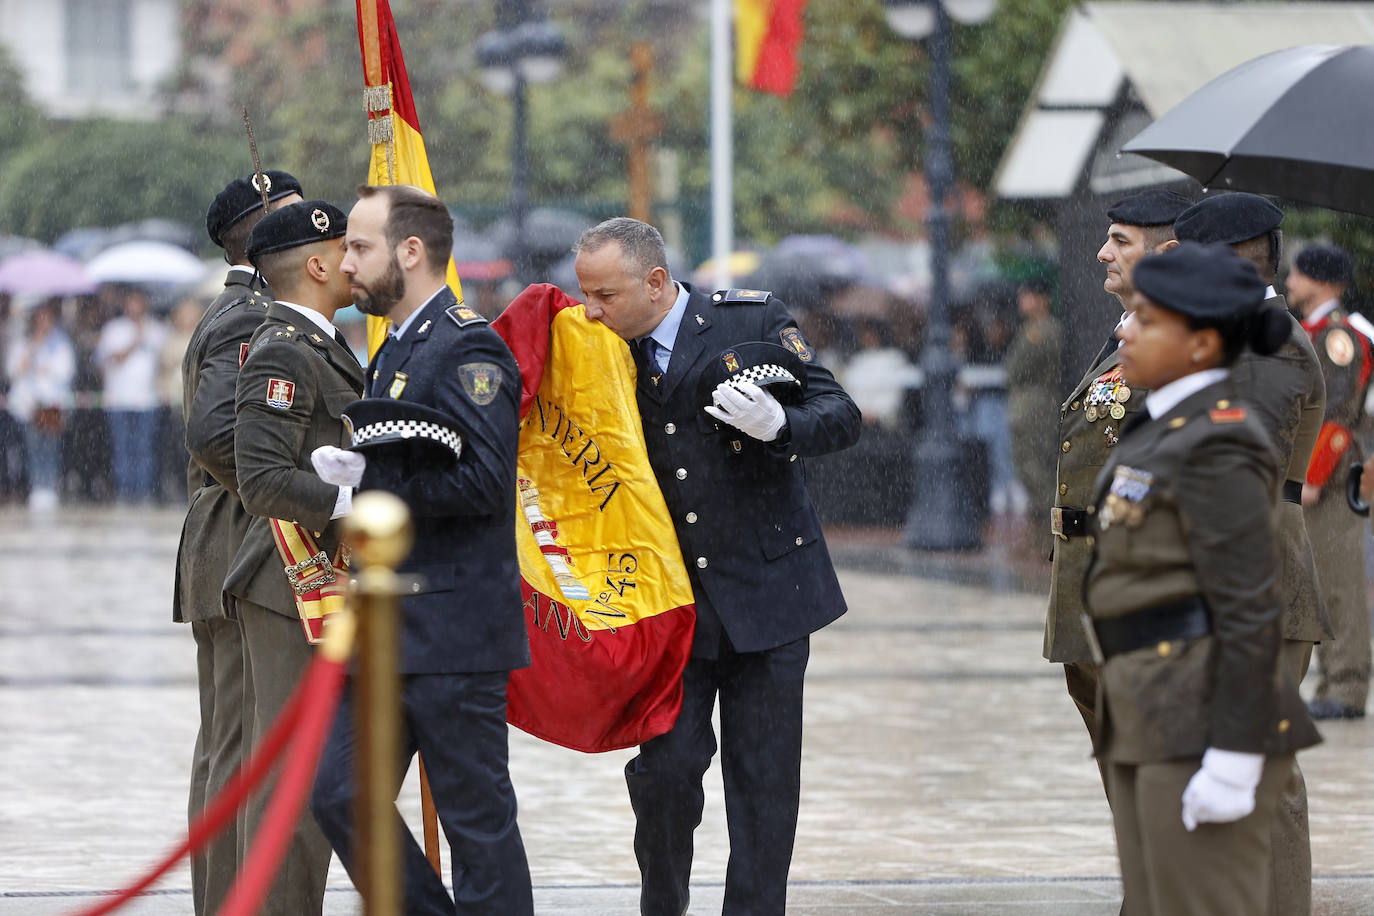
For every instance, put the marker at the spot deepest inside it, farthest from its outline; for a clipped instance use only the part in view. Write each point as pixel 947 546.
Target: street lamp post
pixel 938 519
pixel 523 49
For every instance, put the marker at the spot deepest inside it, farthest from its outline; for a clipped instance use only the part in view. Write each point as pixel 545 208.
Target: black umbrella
pixel 1295 123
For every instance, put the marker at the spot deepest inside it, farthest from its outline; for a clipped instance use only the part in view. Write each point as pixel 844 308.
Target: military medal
pixel 1091 413
pixel 1128 490
pixel 1110 436
pixel 1117 411
pixel 1123 394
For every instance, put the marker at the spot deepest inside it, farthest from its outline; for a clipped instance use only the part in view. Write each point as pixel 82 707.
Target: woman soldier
pixel 1198 727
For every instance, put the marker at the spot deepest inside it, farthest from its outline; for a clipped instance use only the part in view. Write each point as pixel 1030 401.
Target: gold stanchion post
pixel 380 535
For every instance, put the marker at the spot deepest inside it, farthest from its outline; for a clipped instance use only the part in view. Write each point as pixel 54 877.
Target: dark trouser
pixel 1215 870
pixel 1082 678
pixel 275 655
pixel 761 733
pixel 219 748
pixel 458 724
pixel 1291 893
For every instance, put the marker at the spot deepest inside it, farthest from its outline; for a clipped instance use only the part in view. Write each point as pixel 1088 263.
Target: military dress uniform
pixel 210 536
pixel 762 580
pixel 295 382
pixel 1337 533
pixel 462 629
pixel 1182 598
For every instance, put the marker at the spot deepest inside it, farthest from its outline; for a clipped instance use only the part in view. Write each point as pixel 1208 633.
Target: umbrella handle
pixel 1352 490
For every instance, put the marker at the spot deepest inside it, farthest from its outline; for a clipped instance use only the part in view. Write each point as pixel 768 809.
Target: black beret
pixel 1155 207
pixel 1209 283
pixel 1325 264
pixel 301 223
pixel 767 365
pixel 421 432
pixel 1227 219
pixel 241 197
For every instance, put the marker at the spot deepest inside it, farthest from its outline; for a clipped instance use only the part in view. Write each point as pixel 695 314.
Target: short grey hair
pixel 641 244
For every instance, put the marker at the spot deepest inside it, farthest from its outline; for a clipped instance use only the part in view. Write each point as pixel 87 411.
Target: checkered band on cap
pixel 409 429
pixel 765 374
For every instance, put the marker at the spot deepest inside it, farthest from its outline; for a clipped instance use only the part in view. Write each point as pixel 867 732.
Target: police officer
pixel 1090 422
pixel 1287 395
pixel 1199 721
pixel 729 465
pixel 296 379
pixel 215 521
pixel 462 627
pixel 1319 277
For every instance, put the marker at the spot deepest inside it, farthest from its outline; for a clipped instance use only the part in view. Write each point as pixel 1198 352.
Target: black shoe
pixel 1333 709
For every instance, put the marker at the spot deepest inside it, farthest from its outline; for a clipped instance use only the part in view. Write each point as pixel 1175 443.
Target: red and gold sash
pixel 318 583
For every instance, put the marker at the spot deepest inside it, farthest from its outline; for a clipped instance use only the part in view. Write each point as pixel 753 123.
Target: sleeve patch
pixel 793 340
pixel 464 316
pixel 1339 347
pixel 281 394
pixel 481 381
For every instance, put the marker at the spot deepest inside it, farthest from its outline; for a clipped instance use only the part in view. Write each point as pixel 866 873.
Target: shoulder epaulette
pixel 1225 413
pixel 741 296
pixel 463 316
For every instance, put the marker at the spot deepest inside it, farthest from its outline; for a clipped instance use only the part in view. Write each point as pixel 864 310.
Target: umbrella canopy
pixel 146 262
pixel 13 244
pixel 44 273
pixel 1294 123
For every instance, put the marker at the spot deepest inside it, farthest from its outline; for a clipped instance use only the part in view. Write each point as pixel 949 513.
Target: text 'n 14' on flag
pixel 393 127
pixel 768 37
pixel 608 604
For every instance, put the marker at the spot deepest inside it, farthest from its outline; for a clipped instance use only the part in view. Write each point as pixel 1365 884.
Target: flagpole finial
pixel 259 179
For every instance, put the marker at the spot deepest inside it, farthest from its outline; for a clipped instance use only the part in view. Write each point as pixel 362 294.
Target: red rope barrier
pixel 298 775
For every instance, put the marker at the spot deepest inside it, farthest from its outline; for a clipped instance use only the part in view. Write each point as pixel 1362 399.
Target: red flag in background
pixel 768 37
pixel 608 605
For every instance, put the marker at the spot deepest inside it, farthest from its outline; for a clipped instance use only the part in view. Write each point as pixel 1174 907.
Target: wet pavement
pixel 945 771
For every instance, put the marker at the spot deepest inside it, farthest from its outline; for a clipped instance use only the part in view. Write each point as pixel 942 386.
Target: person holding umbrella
pixel 1200 722
pixel 1320 276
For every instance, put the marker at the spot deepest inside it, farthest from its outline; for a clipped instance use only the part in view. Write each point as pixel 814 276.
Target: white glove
pixel 338 466
pixel 749 409
pixel 1223 789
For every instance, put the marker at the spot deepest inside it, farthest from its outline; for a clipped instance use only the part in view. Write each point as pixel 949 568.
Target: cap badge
pixel 281 394
pixel 731 360
pixel 320 219
pixel 265 187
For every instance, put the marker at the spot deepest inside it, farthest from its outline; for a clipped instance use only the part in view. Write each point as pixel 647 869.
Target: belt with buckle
pixel 1067 522
pixel 1186 618
pixel 1292 491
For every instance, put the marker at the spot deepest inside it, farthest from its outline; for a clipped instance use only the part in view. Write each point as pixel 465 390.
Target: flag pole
pixel 722 151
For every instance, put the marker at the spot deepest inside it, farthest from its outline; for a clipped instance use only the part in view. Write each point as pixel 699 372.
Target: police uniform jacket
pixel 749 534
pixel 215 522
pixel 1287 395
pixel 295 382
pixel 1182 511
pixel 1084 447
pixel 464 614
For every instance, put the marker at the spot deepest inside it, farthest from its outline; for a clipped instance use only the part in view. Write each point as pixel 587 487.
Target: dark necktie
pixel 1108 348
pixel 652 349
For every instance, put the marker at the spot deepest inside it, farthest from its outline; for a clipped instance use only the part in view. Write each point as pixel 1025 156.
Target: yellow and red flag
pixel 393 127
pixel 768 37
pixel 608 605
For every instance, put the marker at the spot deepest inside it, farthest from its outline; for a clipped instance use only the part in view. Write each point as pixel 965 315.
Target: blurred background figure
pixel 1033 366
pixel 127 354
pixel 40 367
pixel 879 374
pixel 170 484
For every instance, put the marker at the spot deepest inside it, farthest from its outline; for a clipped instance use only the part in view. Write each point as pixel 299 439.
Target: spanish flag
pixel 768 36
pixel 393 127
pixel 608 604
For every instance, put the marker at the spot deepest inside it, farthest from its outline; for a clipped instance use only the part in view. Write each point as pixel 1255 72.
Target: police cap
pixel 1155 207
pixel 421 433
pixel 241 197
pixel 1208 283
pixel 301 223
pixel 1227 219
pixel 767 365
pixel 1325 264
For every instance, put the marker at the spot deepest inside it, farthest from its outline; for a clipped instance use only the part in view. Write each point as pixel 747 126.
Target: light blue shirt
pixel 398 331
pixel 665 335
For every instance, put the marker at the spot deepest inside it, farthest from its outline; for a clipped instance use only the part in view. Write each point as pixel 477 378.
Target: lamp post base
pixel 943 516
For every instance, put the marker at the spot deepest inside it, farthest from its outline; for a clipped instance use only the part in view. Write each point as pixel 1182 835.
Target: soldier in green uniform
pixel 1319 277
pixel 1090 421
pixel 215 521
pixel 1199 723
pixel 1032 367
pixel 1287 394
pixel 296 379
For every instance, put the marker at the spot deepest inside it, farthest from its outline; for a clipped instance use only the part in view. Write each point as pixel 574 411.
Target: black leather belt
pixel 1186 618
pixel 1067 522
pixel 1292 491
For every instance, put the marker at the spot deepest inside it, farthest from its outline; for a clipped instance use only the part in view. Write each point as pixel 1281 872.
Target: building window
pixel 98 43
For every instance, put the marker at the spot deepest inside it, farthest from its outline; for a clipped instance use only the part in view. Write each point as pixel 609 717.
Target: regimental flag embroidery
pixel 481 381
pixel 243 350
pixel 281 394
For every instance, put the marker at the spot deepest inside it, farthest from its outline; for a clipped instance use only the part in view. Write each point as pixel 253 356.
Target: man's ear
pixel 1172 243
pixel 657 280
pixel 316 270
pixel 410 252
